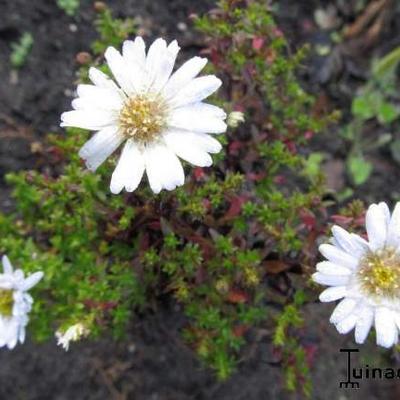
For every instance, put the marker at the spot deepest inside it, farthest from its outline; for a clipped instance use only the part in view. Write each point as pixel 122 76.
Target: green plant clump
pixel 221 246
pixel 21 50
pixel 70 7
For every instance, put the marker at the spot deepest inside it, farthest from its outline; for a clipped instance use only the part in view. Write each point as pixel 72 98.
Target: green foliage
pixel 207 245
pixel 21 50
pixel 359 168
pixel 70 7
pixel 112 31
pixel 294 360
pixel 377 105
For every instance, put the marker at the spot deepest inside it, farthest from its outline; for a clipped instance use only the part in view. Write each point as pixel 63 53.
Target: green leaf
pixel 313 164
pixel 359 169
pixel 387 113
pixel 387 65
pixel 363 107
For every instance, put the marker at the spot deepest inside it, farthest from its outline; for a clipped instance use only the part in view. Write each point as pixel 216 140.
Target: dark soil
pixel 153 363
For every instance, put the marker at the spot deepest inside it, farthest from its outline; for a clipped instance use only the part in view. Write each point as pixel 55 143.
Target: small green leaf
pixel 387 113
pixel 313 164
pixel 363 107
pixel 359 169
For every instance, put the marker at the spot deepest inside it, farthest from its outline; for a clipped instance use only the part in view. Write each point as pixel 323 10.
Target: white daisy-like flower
pixel 15 303
pixel 72 334
pixel 159 114
pixel 366 276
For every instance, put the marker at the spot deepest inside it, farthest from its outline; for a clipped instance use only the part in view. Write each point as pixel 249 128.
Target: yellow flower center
pixel 380 273
pixel 143 117
pixel 6 302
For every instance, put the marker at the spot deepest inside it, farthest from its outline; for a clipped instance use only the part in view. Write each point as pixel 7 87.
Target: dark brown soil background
pixel 153 363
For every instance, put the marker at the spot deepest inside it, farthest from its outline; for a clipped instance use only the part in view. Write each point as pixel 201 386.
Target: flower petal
pixel 386 329
pixel 120 70
pixel 347 324
pixel 101 80
pixel 164 170
pixel 129 170
pixel 330 280
pixel 181 77
pixel 160 63
pixel 376 224
pixel 190 147
pixel 393 237
pixel 349 242
pixel 100 146
pixel 196 90
pixel 342 310
pixel 31 280
pixel 364 323
pixel 89 119
pixel 7 266
pixel 333 293
pixel 135 52
pixel 329 268
pixel 93 97
pixel 197 117
pixel 338 256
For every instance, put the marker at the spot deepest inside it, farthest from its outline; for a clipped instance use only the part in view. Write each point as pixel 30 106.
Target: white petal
pixel 393 238
pixel 347 324
pixel 182 144
pixel 135 52
pixel 338 256
pixel 164 170
pixel 180 78
pixel 31 280
pixel 91 96
pixel 330 280
pixel 160 63
pixel 7 267
pixel 386 329
pixel 329 268
pixel 89 119
pixel 342 310
pixel 129 170
pixel 376 224
pixel 333 293
pixel 101 80
pixel 21 335
pixel 364 323
pixel 197 118
pixel 346 241
pixel 100 146
pixel 360 245
pixel 120 70
pixel 386 212
pixel 196 90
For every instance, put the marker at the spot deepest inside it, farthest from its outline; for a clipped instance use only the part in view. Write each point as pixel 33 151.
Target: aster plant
pixel 220 246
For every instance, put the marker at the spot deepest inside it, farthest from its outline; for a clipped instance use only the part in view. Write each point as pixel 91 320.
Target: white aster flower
pixel 72 334
pixel 366 275
pixel 159 114
pixel 15 303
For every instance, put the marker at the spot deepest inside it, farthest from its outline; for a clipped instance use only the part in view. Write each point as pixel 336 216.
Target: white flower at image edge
pixel 15 303
pixel 159 115
pixel 366 276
